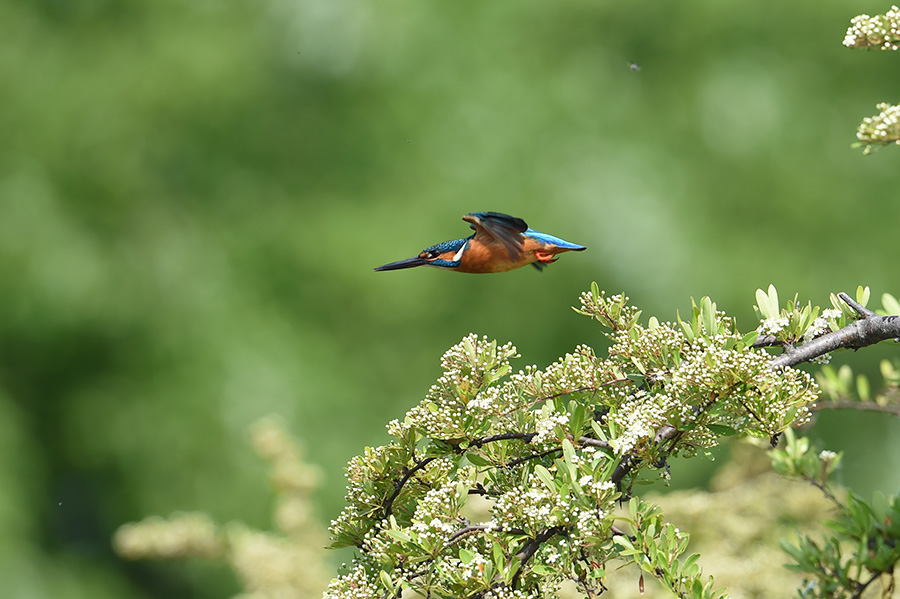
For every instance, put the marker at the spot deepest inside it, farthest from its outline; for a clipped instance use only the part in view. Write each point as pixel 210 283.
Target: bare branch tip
pixel 860 309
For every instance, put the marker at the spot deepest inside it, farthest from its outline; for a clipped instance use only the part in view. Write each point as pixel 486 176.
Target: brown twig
pixel 389 504
pixel 869 406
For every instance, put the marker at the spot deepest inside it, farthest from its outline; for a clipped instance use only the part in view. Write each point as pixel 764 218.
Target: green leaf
pixel 477 460
pixel 689 562
pixel 576 421
pixel 774 306
pixel 880 507
pixel 862 295
pixel 469 350
pixel 598 430
pixel 708 315
pixel 545 476
pixel 386 580
pixel 721 429
pixel 624 542
pixel 499 558
pixel 890 304
pixel 399 535
pixel 762 302
pixel 697 589
pixel 569 455
pixel 685 327
pixel 466 556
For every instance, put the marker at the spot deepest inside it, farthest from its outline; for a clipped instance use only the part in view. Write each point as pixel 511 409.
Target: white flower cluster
pixel 639 415
pixel 827 455
pixel 535 509
pixel 589 522
pixel 651 348
pixel 760 398
pixel 882 31
pixel 577 370
pixel 504 592
pixel 883 128
pixel 773 326
pixel 184 534
pixel 358 499
pixel 398 429
pixel 821 360
pixel 820 325
pixel 437 515
pixel 831 313
pixel 455 568
pixel 597 487
pixel 545 425
pixel 489 400
pixel 356 584
pixel 465 391
pixel 613 311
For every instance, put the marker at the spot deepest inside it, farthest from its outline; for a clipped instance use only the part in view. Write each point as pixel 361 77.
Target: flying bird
pixel 501 242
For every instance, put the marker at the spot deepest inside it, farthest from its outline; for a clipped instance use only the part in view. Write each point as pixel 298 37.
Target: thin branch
pixel 466 530
pixel 593 442
pixel 389 504
pixel 618 531
pixel 527 437
pixel 860 309
pixel 869 406
pixel 478 527
pixel 863 586
pixel 531 547
pixel 821 487
pixel 533 456
pixel 767 341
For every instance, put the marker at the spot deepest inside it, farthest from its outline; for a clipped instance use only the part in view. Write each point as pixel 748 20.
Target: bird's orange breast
pixel 489 258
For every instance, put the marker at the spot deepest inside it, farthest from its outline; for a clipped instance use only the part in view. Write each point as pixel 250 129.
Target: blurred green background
pixel 193 196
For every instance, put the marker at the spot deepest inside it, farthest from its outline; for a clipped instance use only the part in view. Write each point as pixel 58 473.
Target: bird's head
pixel 442 255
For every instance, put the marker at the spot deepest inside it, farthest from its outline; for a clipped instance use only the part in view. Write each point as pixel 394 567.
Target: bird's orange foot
pixel 546 257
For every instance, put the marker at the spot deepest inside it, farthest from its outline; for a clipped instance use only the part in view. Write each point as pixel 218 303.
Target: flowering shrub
pixel 552 452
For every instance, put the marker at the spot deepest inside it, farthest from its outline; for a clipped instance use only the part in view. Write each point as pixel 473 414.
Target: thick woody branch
pixel 869 330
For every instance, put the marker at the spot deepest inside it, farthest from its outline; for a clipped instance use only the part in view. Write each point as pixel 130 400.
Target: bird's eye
pixel 429 254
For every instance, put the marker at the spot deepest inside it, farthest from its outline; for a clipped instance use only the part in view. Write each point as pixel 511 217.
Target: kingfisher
pixel 501 242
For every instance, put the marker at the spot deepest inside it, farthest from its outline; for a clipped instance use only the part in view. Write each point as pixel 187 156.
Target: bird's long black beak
pixel 408 263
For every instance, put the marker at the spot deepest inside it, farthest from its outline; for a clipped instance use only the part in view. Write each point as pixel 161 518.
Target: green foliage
pixel 840 386
pixel 862 546
pixel 796 323
pixel 553 451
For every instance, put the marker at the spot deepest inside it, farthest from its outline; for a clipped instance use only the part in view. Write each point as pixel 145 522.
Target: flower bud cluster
pixel 880 31
pixel 881 129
